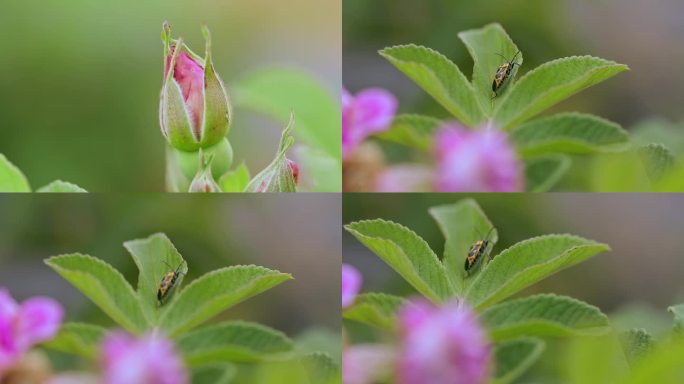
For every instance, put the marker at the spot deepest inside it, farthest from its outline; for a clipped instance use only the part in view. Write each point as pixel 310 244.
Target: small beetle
pixel 168 282
pixel 477 253
pixel 503 73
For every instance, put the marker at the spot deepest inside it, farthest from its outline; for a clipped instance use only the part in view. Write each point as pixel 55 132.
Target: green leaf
pixel 155 256
pixel 569 133
pixel 11 178
pixel 543 315
pixel 485 45
pixel 407 253
pixel 549 84
pixel 78 338
pixel 413 131
pixel 462 224
pixel 232 342
pixel 59 186
pixel 678 312
pixel 105 286
pixel 439 77
pixel 278 92
pixel 636 343
pixel 526 263
pixel 215 292
pixel 277 176
pixel 375 309
pixel 514 357
pixel 658 160
pixel 235 180
pixel 542 173
pixel 324 172
pixel 321 368
pixel 214 374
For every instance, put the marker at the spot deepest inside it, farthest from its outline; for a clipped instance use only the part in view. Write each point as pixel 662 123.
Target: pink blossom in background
pixel 23 325
pixel 151 359
pixel 367 363
pixel 476 161
pixel 368 112
pixel 405 178
pixel 444 345
pixel 351 284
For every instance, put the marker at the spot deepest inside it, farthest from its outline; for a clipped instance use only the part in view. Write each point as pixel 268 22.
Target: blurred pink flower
pixel 405 178
pixel 21 326
pixel 443 345
pixel 351 284
pixel 151 359
pixel 367 363
pixel 368 112
pixel 476 161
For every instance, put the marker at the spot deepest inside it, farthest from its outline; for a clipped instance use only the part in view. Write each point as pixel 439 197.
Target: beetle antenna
pixel 502 56
pixel 179 266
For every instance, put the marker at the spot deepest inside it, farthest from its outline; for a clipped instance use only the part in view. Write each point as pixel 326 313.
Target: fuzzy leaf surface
pixel 78 339
pixel 215 292
pixel 440 78
pixel 573 133
pixel 415 131
pixel 462 224
pixel 375 309
pixel 105 286
pixel 514 357
pixel 542 173
pixel 11 178
pixel 485 45
pixel 543 315
pixel 549 84
pixel 232 342
pixel 155 256
pixel 526 263
pixel 407 253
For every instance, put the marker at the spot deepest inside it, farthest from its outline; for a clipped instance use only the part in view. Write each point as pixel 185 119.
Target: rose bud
pixel 204 181
pixel 194 110
pixel 282 174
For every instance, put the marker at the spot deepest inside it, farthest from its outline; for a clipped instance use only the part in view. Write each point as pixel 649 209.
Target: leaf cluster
pixel 210 350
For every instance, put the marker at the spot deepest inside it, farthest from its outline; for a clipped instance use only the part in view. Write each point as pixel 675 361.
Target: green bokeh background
pixel 80 79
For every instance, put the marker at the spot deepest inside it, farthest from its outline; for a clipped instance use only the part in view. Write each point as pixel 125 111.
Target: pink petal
pixel 366 363
pixel 476 161
pixel 8 348
pixel 442 345
pixel 151 359
pixel 405 178
pixel 351 284
pixel 374 110
pixel 189 75
pixel 38 320
pixel 370 111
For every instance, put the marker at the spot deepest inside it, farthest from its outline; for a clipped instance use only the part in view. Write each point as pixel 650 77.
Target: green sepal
pixel 277 177
pixel 217 108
